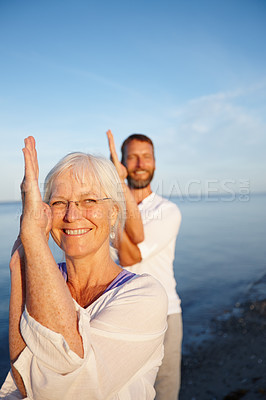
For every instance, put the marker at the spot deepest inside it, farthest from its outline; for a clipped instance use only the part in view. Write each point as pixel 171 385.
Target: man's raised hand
pixel 121 169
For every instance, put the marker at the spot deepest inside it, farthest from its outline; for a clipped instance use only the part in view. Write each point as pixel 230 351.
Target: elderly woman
pixel 87 329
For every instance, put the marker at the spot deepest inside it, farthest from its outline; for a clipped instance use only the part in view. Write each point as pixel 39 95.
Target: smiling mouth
pixel 140 172
pixel 75 232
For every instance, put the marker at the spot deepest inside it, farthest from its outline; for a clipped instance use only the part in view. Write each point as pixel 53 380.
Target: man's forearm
pixel 128 252
pixel 133 225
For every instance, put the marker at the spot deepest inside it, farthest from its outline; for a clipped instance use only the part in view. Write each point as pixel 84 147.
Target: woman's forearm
pixel 16 306
pixel 48 298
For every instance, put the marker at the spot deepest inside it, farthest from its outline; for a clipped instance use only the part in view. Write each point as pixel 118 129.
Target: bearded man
pixel 155 254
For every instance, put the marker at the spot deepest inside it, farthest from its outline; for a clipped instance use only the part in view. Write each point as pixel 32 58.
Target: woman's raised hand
pixel 36 215
pixel 121 169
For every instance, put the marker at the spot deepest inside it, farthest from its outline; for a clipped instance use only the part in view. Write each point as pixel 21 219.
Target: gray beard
pixel 139 184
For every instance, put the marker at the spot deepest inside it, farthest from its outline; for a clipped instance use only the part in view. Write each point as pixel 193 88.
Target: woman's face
pixel 81 225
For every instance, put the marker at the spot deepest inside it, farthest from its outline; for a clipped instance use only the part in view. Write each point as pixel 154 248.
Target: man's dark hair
pixel 135 136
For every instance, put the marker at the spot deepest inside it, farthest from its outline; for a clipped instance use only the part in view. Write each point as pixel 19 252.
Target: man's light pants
pixel 168 380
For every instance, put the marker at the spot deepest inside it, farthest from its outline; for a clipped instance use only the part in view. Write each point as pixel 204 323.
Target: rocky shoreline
pixel 231 364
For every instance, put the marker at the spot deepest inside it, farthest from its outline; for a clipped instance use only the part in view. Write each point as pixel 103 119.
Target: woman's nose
pixel 72 212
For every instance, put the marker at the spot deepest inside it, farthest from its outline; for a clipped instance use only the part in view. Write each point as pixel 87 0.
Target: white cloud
pixel 221 136
pixel 223 120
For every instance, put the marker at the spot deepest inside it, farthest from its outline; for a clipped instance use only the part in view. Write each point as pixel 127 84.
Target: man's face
pixel 140 164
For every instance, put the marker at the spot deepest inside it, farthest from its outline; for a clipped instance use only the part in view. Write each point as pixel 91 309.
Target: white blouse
pixel 122 333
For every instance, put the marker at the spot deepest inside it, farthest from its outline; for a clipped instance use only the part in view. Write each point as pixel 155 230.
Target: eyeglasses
pixel 86 204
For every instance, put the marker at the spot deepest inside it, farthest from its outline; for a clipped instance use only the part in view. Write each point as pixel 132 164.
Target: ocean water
pixel 220 251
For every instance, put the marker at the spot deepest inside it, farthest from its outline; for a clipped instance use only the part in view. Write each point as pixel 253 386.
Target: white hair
pixel 104 173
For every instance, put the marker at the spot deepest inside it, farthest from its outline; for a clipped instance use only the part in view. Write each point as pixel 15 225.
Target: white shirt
pixel 161 221
pixel 122 333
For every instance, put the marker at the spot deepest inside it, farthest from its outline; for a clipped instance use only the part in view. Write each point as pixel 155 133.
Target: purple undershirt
pixel 121 278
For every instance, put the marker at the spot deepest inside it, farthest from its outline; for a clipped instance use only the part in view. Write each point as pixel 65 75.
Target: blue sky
pixel 190 74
